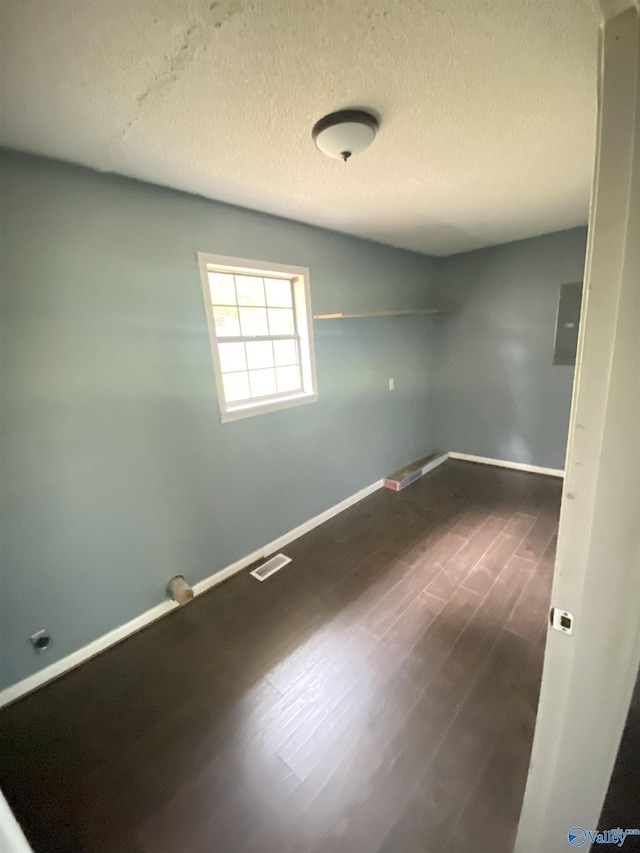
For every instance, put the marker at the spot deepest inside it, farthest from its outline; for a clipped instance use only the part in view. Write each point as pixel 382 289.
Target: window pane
pixel 288 379
pixel 263 382
pixel 259 354
pixel 227 324
pixel 232 357
pixel 222 290
pixel 286 352
pixel 281 321
pixel 254 321
pixel 236 387
pixel 278 293
pixel 250 290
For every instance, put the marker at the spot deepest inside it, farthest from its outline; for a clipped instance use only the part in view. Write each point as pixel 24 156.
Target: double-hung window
pixel 260 326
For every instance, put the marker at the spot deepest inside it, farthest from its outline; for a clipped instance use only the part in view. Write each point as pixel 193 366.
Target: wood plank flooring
pixel 622 803
pixel 377 695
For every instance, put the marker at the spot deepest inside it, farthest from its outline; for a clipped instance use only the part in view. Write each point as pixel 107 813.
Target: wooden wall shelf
pixel 380 313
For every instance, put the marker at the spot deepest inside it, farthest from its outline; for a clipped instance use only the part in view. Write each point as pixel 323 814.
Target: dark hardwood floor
pixel 622 803
pixel 377 695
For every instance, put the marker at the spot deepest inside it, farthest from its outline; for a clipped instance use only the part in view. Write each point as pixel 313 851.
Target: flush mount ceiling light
pixel 345 133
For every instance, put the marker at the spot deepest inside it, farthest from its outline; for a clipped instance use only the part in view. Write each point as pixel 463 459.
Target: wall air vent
pixel 270 567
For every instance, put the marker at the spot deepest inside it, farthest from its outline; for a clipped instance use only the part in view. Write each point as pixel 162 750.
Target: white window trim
pixel 304 320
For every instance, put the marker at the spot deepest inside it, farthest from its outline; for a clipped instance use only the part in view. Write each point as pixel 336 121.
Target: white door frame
pixel 589 675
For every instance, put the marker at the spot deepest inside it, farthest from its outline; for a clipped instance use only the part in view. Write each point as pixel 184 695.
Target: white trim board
pixel 434 463
pixel 502 463
pixel 12 838
pixel 65 664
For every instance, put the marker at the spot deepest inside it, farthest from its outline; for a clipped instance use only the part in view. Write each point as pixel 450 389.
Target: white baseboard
pixel 281 541
pixel 503 463
pixel 12 838
pixel 59 667
pixel 434 463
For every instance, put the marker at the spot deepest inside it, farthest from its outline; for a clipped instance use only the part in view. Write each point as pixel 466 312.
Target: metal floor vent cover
pixel 270 567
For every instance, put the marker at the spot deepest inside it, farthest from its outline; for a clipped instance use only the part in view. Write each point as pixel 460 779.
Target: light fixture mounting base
pixel 344 133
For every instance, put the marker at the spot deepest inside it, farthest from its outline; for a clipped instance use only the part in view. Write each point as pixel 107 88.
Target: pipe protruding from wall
pixel 179 590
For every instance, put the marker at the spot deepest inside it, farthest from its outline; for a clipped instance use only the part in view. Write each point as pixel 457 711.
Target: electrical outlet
pixel 392 384
pixel 40 641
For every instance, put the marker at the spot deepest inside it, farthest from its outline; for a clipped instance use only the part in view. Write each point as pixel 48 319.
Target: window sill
pixel 249 411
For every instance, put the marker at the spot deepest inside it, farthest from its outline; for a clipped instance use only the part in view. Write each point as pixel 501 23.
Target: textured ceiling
pixel 487 107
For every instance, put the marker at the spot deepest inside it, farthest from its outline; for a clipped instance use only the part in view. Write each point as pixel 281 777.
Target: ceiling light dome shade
pixel 345 133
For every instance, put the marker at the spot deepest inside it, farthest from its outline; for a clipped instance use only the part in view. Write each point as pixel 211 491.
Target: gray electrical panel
pixel 567 323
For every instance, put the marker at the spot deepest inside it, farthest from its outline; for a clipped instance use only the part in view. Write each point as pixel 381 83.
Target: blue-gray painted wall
pixel 116 471
pixel 497 392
